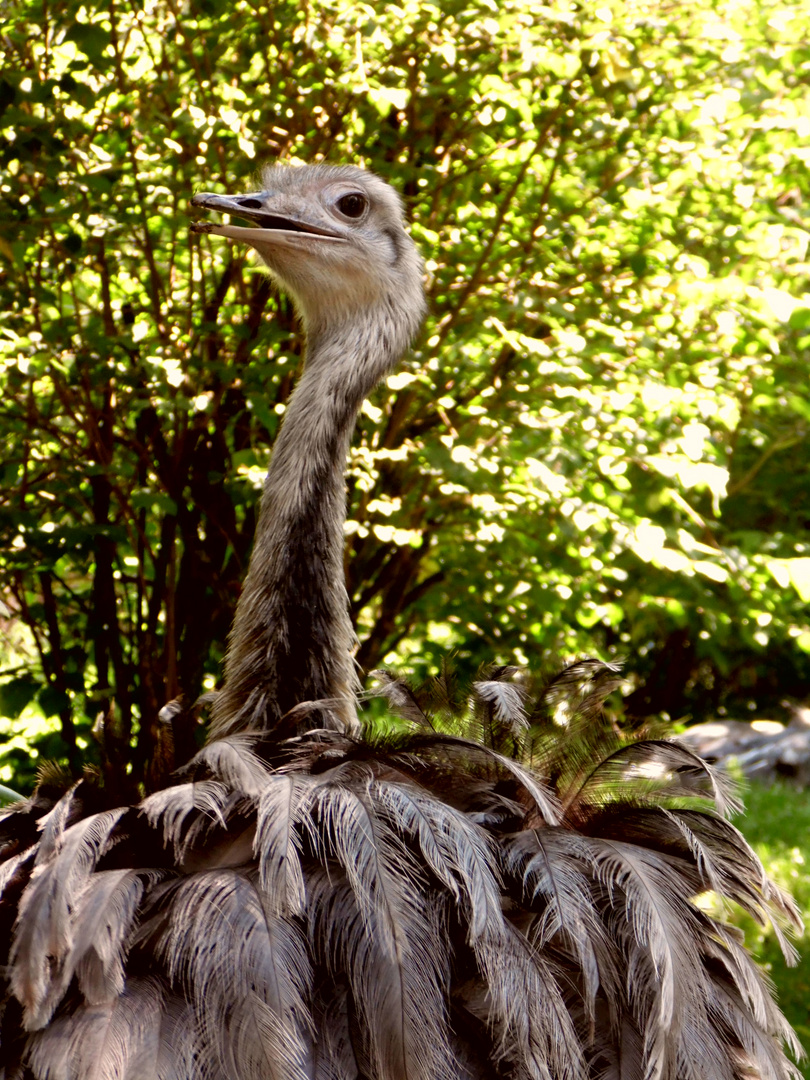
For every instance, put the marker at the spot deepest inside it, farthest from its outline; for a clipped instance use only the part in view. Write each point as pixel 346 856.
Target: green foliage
pixel 599 443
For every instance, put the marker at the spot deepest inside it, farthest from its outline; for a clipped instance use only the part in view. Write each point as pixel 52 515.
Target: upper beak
pixel 257 207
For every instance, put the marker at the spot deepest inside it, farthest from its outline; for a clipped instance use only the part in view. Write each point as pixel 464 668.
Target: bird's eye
pixel 352 205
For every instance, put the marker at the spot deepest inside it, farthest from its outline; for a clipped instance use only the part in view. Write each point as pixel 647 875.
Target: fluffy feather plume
pixel 505 888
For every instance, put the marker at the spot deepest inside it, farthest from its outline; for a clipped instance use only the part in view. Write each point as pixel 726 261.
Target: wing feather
pixel 554 869
pixel 44 928
pixel 459 852
pixel 103 922
pixel 397 964
pixel 140 1035
pixel 233 761
pixel 277 841
pixel 246 971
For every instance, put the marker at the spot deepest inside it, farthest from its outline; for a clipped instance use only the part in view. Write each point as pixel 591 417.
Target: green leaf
pixel 16 694
pixel 90 38
pixel 53 701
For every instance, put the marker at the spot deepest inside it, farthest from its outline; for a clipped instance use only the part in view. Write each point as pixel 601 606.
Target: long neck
pixel 292 638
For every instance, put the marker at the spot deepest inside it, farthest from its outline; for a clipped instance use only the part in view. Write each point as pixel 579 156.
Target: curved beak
pixel 272 222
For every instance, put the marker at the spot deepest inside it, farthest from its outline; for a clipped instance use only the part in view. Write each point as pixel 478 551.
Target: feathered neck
pixel 292 638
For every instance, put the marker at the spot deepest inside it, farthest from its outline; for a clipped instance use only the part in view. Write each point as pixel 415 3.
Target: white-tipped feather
pixel 188 813
pixel 341 823
pixel 668 768
pixel 503 703
pixel 15 865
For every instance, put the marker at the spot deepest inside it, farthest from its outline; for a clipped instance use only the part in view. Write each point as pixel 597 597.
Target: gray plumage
pixel 504 890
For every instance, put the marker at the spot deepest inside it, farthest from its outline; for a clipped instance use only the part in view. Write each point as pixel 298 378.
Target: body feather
pixel 420 906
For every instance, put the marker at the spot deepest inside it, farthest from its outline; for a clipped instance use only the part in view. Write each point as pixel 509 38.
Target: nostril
pixel 250 204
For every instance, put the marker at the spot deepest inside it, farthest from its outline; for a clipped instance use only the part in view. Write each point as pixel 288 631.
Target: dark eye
pixel 352 205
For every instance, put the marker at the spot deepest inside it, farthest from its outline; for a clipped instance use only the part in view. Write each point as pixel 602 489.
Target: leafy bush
pixel 599 444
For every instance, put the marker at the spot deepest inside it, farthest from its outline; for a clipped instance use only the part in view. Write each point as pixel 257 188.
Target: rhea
pixel 312 900
pixel 334 239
